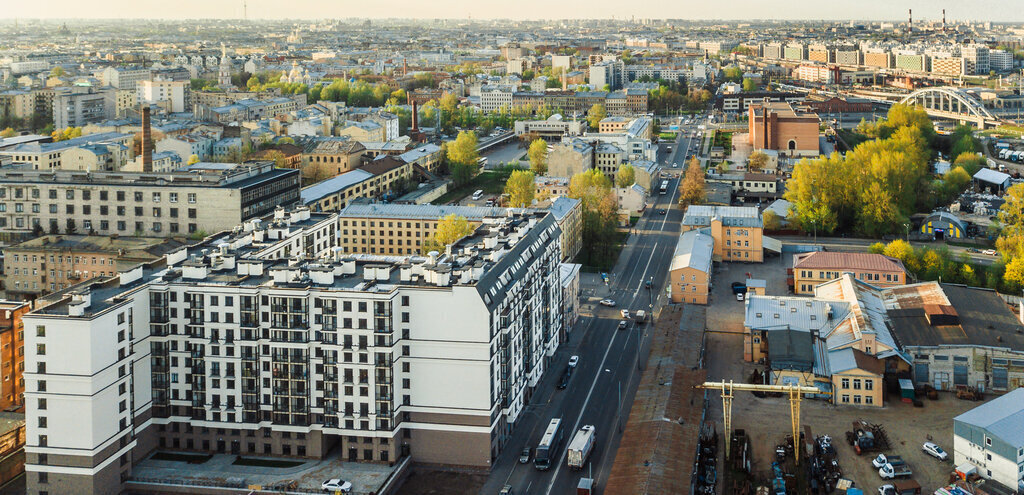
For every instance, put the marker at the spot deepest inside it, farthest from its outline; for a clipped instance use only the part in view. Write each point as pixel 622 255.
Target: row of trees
pixel 925 263
pixel 875 188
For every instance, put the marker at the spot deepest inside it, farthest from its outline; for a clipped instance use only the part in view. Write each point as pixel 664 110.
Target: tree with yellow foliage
pixel 520 189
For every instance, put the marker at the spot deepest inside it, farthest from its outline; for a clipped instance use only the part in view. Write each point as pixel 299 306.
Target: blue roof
pixel 1003 417
pixel 334 184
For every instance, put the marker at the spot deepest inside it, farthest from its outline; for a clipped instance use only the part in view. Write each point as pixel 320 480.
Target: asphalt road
pixel 607 374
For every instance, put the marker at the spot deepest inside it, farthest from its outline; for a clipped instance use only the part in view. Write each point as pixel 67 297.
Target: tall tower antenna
pixel 245 10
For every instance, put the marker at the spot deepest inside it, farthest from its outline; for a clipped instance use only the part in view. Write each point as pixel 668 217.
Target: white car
pixel 336 485
pixel 739 296
pixel 887 490
pixel 989 252
pixel 879 461
pixel 934 451
pixel 624 313
pixel 574 360
pixel 608 302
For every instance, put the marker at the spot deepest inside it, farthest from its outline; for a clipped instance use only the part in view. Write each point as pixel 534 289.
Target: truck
pixel 883 459
pixel 640 316
pixel 585 487
pixel 580 446
pixel 889 471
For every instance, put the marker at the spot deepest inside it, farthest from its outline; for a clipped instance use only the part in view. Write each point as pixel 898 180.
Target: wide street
pixel 607 374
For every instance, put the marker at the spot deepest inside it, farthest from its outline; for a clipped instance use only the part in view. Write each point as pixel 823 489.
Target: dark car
pixel 564 382
pixel 739 287
pixel 662 211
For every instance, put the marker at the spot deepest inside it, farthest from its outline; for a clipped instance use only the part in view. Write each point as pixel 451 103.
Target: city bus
pixel 548 447
pixel 664 187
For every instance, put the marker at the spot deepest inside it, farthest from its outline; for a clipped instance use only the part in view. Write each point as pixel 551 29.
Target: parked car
pixel 739 296
pixel 524 456
pixel 622 324
pixel 336 485
pixel 574 360
pixel 887 490
pixel 739 287
pixel 934 450
pixel 608 302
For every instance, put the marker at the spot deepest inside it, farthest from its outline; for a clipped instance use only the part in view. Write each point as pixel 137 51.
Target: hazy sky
pixel 977 10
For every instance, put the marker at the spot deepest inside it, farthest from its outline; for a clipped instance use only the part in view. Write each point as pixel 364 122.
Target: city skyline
pixel 980 10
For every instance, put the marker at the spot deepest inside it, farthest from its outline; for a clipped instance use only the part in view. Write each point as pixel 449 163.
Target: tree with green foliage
pixel 903 251
pixel 757 161
pixel 749 84
pixel 538 154
pixel 8 132
pixel 520 189
pixel 625 176
pixel 596 114
pixel 463 149
pixel 600 212
pixel 970 162
pixel 733 74
pixel 771 220
pixel 691 188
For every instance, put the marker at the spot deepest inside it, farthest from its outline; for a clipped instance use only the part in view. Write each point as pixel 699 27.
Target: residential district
pixel 632 256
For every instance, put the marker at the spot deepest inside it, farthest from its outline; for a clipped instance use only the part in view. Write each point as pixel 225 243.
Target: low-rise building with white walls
pixel 991 438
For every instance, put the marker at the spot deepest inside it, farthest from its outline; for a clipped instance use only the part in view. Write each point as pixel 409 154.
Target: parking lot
pixel 767 420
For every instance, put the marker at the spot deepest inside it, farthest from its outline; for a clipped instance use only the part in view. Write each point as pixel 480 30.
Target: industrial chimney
pixel 415 120
pixel 943 20
pixel 147 142
pixel 910 18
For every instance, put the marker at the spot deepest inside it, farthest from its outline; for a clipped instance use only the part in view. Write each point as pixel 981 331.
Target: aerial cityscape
pixel 450 248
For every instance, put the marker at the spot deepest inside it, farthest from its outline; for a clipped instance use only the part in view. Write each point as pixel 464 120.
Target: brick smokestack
pixel 415 119
pixel 910 18
pixel 147 141
pixel 943 20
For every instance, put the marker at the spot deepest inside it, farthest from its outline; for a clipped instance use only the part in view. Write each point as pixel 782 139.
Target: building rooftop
pixel 330 186
pixel 831 260
pixel 694 249
pixel 921 316
pixel 1003 417
pixel 732 216
pixel 209 175
pixel 489 259
pixel 561 206
pixel 385 210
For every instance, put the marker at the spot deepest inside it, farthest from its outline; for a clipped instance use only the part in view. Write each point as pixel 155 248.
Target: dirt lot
pixel 766 420
pixel 430 482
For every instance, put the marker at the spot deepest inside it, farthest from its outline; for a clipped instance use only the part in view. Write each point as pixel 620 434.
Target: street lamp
pixel 906 228
pixel 814 226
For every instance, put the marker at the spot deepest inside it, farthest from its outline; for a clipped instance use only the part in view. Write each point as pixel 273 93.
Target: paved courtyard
pixel 219 470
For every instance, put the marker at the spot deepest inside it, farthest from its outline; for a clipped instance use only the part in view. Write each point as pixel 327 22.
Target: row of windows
pixel 868 384
pixel 60 259
pixel 857 399
pixel 86 195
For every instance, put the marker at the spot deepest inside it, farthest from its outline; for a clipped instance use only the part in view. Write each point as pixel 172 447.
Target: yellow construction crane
pixel 795 394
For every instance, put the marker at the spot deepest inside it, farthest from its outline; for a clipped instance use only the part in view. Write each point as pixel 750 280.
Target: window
pixel 869 399
pixel 869 384
pixel 172 197
pixel 845 383
pixel 856 383
pixel 856 399
pixel 191 197
pixel 138 196
pixel 845 399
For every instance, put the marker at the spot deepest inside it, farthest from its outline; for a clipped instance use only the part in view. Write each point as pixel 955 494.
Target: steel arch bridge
pixel 950 103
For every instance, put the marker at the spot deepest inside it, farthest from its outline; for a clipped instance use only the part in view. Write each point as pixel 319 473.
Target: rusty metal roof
pixel 656 454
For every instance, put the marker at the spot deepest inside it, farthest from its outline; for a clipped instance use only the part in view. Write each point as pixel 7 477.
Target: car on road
pixel 564 382
pixel 624 313
pixel 573 361
pixel 934 450
pixel 990 252
pixel 662 211
pixel 739 296
pixel 524 456
pixel 336 485
pixel 608 302
pixel 623 324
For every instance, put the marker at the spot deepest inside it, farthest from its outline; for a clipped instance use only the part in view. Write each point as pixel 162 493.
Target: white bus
pixel 664 187
pixel 548 446
pixel 478 194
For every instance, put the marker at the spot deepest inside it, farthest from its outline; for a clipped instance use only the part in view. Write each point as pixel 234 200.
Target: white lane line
pixel 583 409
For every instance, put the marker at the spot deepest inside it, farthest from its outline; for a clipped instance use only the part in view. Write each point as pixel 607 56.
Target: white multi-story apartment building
pixel 494 97
pixel 122 78
pixel 215 349
pixel 1000 60
pixel 976 59
pixel 169 95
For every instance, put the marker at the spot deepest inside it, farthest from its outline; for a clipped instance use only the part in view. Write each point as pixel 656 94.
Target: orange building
pixel 12 354
pixel 737 230
pixel 778 126
pixel 811 269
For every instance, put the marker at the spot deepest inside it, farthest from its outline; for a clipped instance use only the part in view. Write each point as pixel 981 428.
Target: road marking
pixel 583 409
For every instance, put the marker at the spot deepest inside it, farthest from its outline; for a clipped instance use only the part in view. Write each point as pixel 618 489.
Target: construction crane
pixel 795 395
